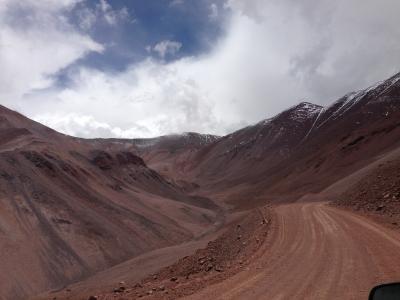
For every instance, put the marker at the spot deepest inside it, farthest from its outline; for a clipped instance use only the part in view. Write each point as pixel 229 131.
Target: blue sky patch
pixel 130 30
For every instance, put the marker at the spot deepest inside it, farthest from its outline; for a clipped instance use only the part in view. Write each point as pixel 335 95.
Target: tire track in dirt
pixel 315 251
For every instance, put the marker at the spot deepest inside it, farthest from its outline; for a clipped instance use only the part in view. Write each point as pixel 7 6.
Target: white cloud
pixel 213 11
pixel 46 5
pixel 31 53
pixel 87 18
pixel 273 54
pixel 87 126
pixel 104 12
pixel 332 46
pixel 150 99
pixel 166 47
pixel 110 15
pixel 176 2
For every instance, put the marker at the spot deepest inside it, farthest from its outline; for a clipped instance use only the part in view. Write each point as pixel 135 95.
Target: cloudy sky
pixel 134 68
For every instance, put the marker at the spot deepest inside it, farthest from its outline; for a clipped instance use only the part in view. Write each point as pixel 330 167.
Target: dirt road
pixel 315 251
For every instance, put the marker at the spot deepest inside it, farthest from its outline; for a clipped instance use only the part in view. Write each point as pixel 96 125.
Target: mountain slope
pixel 302 150
pixel 169 155
pixel 269 142
pixel 70 208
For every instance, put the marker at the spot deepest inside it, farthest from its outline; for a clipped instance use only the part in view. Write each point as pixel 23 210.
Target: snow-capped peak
pixel 300 111
pixel 185 138
pixel 303 110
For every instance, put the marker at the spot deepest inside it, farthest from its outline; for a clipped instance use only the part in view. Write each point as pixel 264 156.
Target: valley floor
pixel 309 250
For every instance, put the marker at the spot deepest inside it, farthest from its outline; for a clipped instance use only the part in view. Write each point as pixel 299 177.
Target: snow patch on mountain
pixel 186 138
pixel 347 102
pixel 304 110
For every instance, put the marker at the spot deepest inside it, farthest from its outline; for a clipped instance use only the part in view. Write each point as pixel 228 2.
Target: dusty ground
pixel 307 251
pixel 315 251
pixel 220 259
pixel 138 268
pixel 378 193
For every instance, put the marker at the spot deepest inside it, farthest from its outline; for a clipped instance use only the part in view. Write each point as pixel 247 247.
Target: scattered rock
pixel 219 260
pixel 120 289
pixel 116 187
pixel 219 269
pixel 102 159
pixel 92 298
pixel 209 267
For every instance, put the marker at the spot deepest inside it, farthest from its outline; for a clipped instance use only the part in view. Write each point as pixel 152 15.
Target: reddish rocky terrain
pixel 378 192
pixel 170 155
pixel 78 214
pixel 70 208
pixel 302 150
pixel 209 265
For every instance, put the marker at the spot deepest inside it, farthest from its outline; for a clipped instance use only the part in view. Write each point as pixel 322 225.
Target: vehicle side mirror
pixel 389 291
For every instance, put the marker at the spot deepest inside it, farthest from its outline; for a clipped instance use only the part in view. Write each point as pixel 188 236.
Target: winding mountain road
pixel 315 251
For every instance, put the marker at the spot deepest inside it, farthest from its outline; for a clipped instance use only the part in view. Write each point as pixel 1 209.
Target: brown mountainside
pixel 71 207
